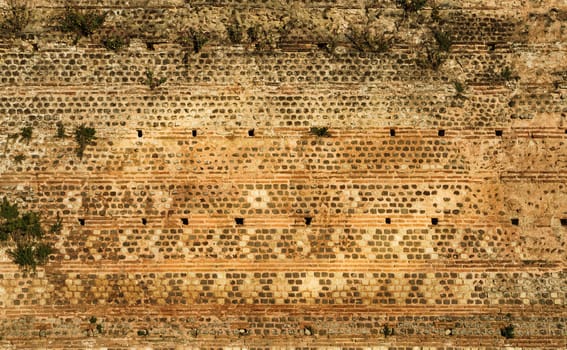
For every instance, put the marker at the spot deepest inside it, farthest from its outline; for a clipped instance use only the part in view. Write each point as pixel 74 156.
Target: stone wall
pixel 207 215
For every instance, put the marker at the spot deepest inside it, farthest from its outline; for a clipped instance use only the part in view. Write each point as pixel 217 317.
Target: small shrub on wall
pixel 235 31
pixel 152 81
pixel 193 39
pixel 26 231
pixel 411 6
pixel 84 136
pixel 17 15
pixel 81 23
pixel 364 40
pixel 115 39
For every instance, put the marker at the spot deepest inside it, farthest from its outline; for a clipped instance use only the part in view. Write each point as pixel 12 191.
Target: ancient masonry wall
pixel 436 215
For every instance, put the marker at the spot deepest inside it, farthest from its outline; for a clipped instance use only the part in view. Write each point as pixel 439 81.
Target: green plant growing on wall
pixel 287 27
pixel 42 251
pixel 234 31
pixel 411 6
pixel 26 231
pixel 327 39
pixel 436 49
pixel 320 131
pixel 435 14
pixel 60 133
pixel 459 89
pixel 152 82
pixel 194 39
pixel 254 33
pixel 26 133
pixel 364 40
pixel 29 255
pixel 433 58
pixel 115 40
pixel 57 226
pixel 507 74
pixel 507 332
pixel 8 211
pixel 23 255
pixel 443 39
pixel 82 23
pixel 17 16
pixel 260 38
pixel 28 226
pixel 84 136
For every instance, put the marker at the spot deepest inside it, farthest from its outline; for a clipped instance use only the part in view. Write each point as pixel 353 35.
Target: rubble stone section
pixel 207 214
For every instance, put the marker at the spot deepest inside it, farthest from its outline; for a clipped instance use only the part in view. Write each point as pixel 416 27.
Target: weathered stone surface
pixel 207 215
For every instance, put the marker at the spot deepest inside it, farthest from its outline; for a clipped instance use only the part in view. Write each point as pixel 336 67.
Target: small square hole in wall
pixel 185 221
pixel 388 221
pixel 144 221
pixel 392 132
pixel 82 222
pixel 441 133
pixel 566 131
pixel 140 133
pixel 150 46
pixel 251 132
pixel 308 330
pixel 308 220
pixel 498 132
pixel 239 221
pixel 434 221
pixel 515 221
pixel 563 221
pixel 194 133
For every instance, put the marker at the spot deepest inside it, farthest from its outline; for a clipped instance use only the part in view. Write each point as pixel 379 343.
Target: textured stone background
pixel 275 281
